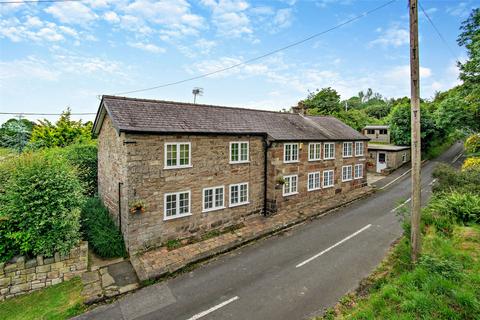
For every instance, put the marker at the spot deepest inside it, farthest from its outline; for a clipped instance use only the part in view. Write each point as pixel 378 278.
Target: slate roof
pixel 167 117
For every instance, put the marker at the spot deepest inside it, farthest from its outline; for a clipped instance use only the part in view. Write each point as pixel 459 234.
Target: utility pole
pixel 416 145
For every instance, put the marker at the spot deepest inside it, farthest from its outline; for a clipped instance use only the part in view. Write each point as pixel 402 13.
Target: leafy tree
pixel 15 133
pixel 356 119
pixel 61 134
pixel 379 110
pixel 323 102
pixel 400 126
pixel 470 69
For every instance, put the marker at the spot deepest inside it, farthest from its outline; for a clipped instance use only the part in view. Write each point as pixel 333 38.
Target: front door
pixel 381 161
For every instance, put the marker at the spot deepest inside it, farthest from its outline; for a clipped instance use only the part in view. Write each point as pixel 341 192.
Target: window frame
pixel 351 173
pixel 351 149
pixel 319 181
pixel 177 205
pixel 323 179
pixel 230 204
pixel 177 166
pixel 324 150
pixel 214 195
pixel 355 171
pixel 362 149
pixel 316 146
pixel 291 154
pixel 239 152
pixel 289 177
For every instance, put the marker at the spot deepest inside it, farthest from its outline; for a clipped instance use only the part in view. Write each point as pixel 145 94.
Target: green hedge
pixel 101 232
pixel 40 201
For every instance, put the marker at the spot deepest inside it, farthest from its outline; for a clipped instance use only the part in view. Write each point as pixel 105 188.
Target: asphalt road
pixel 294 275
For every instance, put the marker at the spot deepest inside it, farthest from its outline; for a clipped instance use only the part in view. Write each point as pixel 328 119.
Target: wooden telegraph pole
pixel 416 145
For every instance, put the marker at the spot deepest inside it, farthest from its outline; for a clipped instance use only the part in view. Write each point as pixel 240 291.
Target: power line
pixel 264 55
pixel 439 33
pixel 36 1
pixel 45 114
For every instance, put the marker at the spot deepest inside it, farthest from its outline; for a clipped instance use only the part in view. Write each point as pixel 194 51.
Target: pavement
pixel 293 275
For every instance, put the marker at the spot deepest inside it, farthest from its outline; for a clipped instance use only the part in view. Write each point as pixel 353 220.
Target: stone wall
pixel 394 159
pixel 304 198
pixel 148 180
pixel 24 276
pixel 112 171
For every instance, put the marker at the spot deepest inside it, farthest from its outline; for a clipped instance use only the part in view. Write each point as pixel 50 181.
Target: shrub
pixel 101 232
pixel 445 210
pixel 471 164
pixel 449 179
pixel 472 144
pixel 84 157
pixel 40 206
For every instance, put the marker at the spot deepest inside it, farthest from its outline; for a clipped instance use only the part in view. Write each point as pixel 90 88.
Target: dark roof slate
pixel 157 116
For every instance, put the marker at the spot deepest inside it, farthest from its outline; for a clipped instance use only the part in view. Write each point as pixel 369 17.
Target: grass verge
pixel 60 301
pixel 444 285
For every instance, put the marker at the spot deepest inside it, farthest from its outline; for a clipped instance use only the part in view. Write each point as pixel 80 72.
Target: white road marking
pixel 401 205
pixel 218 306
pixel 394 180
pixel 433 181
pixel 333 246
pixel 457 157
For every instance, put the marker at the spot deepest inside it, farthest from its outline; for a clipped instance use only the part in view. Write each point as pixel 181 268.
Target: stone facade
pixel 377 135
pixel 24 276
pixel 136 170
pixel 304 198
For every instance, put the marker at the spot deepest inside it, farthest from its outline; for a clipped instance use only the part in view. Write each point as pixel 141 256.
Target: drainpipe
pixel 120 184
pixel 266 146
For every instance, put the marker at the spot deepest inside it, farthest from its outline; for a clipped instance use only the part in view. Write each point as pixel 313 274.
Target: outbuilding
pixel 384 158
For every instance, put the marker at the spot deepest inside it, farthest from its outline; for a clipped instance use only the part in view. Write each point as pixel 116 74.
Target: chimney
pixel 300 108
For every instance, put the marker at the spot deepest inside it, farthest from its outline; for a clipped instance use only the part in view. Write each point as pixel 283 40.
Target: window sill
pixel 314 189
pixel 359 155
pixel 212 209
pixel 238 204
pixel 347 156
pixel 326 187
pixel 328 158
pixel 296 161
pixel 239 162
pixel 347 180
pixel 176 216
pixel 358 178
pixel 290 194
pixel 177 167
pixel 313 160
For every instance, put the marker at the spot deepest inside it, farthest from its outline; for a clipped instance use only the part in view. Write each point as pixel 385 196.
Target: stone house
pixel 384 158
pixel 201 167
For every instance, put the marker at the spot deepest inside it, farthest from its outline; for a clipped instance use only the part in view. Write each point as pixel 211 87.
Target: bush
pixel 84 157
pixel 472 144
pixel 101 232
pixel 449 180
pixel 40 206
pixel 471 164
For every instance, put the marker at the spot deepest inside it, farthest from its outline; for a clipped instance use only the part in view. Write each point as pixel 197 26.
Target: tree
pixel 323 102
pixel 15 133
pixel 61 134
pixel 400 126
pixel 470 69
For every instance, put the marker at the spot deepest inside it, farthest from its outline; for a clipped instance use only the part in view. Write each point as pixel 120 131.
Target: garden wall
pixel 24 276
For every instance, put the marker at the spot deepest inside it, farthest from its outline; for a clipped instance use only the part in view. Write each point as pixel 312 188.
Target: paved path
pixel 294 275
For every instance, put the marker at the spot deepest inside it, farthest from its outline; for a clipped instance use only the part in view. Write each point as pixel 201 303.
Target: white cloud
pixel 32 29
pixel 147 47
pixel 28 68
pixel 72 12
pixel 283 18
pixel 462 9
pixel 393 36
pixel 399 73
pixel 111 16
pixel 230 17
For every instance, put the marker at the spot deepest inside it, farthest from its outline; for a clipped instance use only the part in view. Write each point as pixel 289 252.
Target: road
pixel 293 275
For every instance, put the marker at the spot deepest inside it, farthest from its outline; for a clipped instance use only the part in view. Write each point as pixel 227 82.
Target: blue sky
pixel 54 55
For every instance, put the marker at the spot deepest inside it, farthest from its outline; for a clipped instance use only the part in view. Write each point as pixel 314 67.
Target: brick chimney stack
pixel 300 108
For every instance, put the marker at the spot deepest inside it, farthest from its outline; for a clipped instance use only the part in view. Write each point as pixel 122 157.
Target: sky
pixel 54 55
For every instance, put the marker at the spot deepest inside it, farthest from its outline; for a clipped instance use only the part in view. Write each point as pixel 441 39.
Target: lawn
pixel 61 301
pixel 444 285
